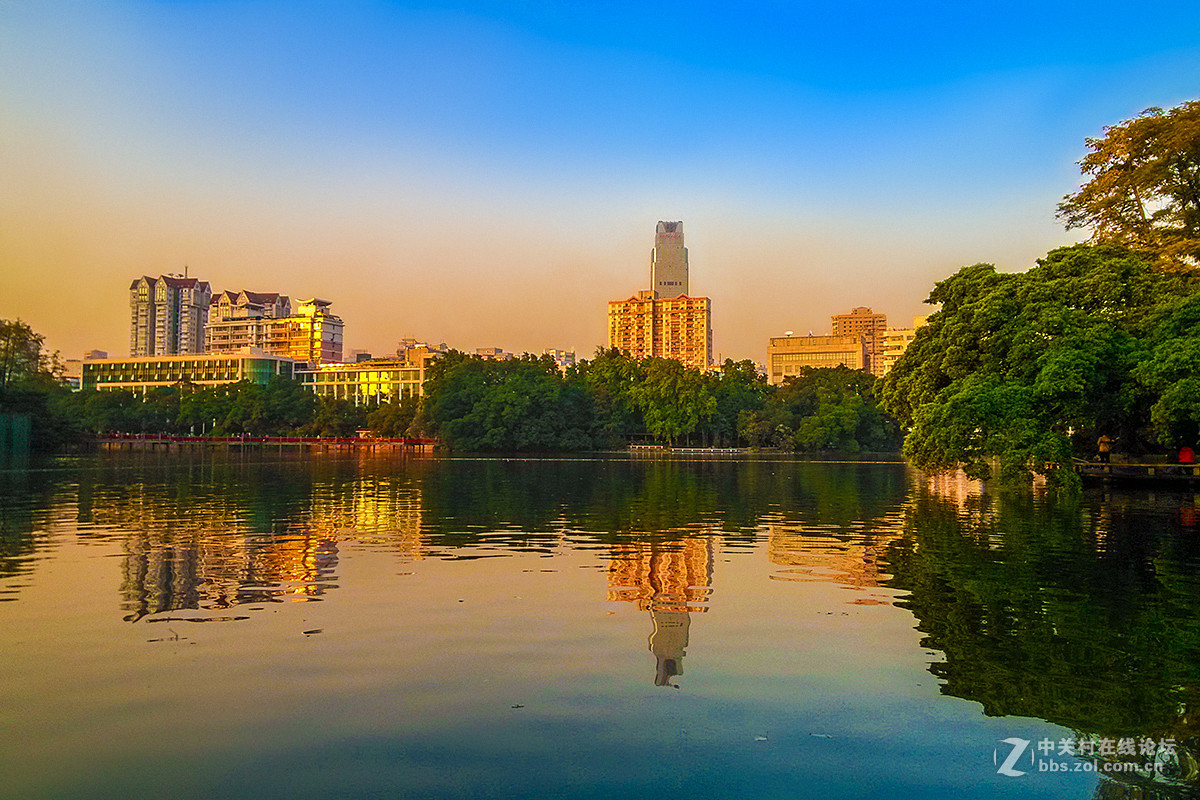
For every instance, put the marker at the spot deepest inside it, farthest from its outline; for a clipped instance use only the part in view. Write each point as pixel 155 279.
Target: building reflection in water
pixel 672 581
pixel 849 559
pixel 168 569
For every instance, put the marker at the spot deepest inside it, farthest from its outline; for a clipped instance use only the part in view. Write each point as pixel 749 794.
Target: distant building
pixel 420 352
pixel 73 373
pixel 73 368
pixel 788 355
pixel 493 354
pixel 871 327
pixel 310 333
pixel 895 342
pixel 148 372
pixel 664 321
pixel 563 358
pixel 167 315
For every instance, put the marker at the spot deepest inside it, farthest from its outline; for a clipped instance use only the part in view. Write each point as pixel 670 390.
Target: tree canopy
pixel 1143 186
pixel 1031 368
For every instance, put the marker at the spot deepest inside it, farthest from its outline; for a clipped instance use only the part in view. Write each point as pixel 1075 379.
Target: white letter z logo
pixel 1018 749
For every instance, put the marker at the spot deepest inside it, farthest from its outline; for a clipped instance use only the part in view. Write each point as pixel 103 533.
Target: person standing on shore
pixel 1104 447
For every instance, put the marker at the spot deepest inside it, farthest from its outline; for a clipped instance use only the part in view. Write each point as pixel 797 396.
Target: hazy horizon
pixel 490 173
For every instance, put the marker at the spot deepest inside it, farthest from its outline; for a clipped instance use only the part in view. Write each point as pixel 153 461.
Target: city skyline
pixel 484 174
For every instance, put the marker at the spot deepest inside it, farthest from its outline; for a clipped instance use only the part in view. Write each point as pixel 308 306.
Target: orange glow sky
pixel 488 175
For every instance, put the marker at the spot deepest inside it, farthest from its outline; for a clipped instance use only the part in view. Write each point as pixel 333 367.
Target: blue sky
pixel 490 173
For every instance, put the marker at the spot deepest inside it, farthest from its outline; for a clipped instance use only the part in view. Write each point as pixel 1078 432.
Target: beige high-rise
pixel 871 327
pixel 669 261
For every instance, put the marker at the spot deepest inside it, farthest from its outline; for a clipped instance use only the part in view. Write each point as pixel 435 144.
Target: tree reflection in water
pixel 1083 612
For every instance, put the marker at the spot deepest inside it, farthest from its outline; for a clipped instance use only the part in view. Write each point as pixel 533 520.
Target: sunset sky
pixel 490 173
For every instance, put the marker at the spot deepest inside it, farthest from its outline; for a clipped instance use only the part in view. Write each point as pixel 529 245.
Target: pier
pixel 1157 472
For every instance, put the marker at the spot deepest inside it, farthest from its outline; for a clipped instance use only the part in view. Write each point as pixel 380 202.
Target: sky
pixel 491 173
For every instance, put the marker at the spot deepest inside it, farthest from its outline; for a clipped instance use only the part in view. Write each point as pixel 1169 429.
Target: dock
pixel 1156 472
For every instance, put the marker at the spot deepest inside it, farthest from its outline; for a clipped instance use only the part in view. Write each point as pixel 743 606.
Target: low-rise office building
pixel 149 372
pixel 788 355
pixel 379 380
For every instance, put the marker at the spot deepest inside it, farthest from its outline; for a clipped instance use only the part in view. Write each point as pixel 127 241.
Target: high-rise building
pixel 669 261
pixel 664 321
pixel 871 327
pixel 167 315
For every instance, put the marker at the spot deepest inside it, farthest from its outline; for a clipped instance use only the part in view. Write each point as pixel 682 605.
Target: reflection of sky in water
pixel 501 628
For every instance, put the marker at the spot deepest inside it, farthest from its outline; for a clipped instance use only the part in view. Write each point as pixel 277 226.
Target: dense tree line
pixel 475 404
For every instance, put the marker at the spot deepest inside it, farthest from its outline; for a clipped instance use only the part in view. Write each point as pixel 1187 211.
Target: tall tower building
pixel 669 261
pixel 664 321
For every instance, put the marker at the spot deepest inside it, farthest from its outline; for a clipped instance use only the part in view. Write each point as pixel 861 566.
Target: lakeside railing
pixel 1143 471
pixel 151 439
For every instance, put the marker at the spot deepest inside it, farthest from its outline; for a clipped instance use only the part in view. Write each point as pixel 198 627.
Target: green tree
pixel 609 379
pixel 391 420
pixel 31 384
pixel 1014 364
pixel 1143 186
pixel 674 399
pixel 1170 374
pixel 739 391
pixel 22 359
pixel 521 404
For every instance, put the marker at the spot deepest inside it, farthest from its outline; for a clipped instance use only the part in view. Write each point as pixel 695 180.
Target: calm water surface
pixel 269 626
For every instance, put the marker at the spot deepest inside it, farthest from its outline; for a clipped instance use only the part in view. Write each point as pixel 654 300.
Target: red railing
pixel 169 437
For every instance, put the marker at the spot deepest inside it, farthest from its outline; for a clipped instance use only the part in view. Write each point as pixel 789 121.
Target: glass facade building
pixel 141 374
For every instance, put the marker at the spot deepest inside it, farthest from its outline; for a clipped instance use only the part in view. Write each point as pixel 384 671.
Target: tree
pixel 1143 186
pixel 22 359
pixel 1015 365
pixel 674 399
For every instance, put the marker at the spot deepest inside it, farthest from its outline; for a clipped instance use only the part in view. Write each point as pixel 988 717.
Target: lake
pixel 262 625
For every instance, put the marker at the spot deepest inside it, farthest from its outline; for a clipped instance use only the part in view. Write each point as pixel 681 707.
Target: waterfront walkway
pixel 164 441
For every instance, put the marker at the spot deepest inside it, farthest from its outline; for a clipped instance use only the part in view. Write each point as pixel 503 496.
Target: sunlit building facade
pixel 787 356
pixel 871 327
pixel 311 333
pixel 644 326
pixel 895 342
pixel 365 383
pixel 149 372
